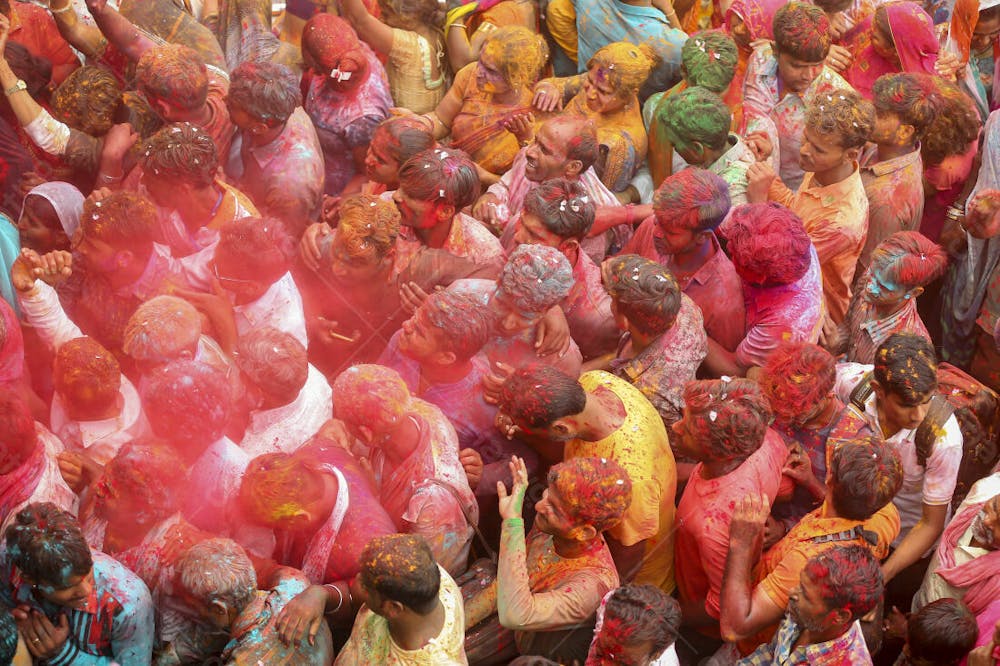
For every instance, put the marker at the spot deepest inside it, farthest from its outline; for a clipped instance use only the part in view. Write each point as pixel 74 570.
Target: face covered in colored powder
pixel 348 269
pixel 684 439
pixel 797 75
pixel 489 78
pixel 600 94
pixel 530 229
pixel 510 319
pixel 806 606
pixel 418 338
pixel 986 525
pixel 671 239
pixel 414 212
pixel 551 515
pixel 380 165
pixel 237 279
pixel 883 292
pixel 74 594
pixel 820 152
pixel 610 648
pixel 39 226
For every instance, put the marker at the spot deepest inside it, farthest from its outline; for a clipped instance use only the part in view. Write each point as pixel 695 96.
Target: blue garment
pixel 10 249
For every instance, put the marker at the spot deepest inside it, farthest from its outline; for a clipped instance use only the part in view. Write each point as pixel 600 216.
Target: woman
pixel 469 24
pixel 411 39
pixel 608 95
pixel 50 216
pixel 487 96
pixel 243 28
pixel 347 96
pixel 394 142
pixel 899 37
pixel 747 22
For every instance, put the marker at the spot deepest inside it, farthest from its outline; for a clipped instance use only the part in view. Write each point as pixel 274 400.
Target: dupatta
pixel 916 46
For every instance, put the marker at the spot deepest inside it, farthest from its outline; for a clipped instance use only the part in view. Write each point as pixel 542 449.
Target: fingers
pixel 501 491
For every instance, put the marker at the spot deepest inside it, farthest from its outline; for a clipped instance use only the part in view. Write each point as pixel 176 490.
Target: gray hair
pixel 218 570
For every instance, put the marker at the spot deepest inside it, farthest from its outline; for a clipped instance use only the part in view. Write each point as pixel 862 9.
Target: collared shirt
pixel 670 361
pixel 468 239
pixel 732 167
pixel 102 439
pixel 866 331
pixel 762 96
pixel 116 624
pixel 847 649
pixel 286 428
pixel 895 191
pixel 280 307
pixel 183 242
pixel 715 287
pixel 836 219
pixel 214 480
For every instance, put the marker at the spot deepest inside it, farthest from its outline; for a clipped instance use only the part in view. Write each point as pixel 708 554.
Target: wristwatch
pixel 20 85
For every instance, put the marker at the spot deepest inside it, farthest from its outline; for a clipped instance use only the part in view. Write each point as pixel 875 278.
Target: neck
pixel 712 156
pixel 713 469
pixel 602 415
pixel 889 428
pixel 885 310
pixel 890 152
pixel 436 236
pixel 639 341
pixel 411 631
pixel 322 510
pixel 692 259
pixel 198 208
pixel 267 136
pixel 834 175
pixel 445 374
pixel 570 549
pixel 808 637
pixel 109 411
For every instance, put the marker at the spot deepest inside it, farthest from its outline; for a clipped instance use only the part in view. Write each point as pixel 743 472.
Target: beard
pixel 806 624
pixel 983 534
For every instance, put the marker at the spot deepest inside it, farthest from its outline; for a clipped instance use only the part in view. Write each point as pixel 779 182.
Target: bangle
pixel 61 10
pixel 339 593
pixel 108 178
pixel 955 212
pixel 629 214
pixel 458 25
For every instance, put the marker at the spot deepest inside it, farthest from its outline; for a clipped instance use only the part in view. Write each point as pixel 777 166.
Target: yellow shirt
pixel 642 448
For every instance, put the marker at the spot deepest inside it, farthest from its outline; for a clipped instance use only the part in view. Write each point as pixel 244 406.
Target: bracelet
pixel 629 214
pixel 458 25
pixel 955 212
pixel 108 178
pixel 339 593
pixel 61 10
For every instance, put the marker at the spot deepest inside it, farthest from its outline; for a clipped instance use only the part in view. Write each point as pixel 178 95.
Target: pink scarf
pixel 979 577
pixel 916 46
pixel 11 346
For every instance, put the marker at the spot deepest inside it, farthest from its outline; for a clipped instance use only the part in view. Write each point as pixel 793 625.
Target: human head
pixel 331 48
pixel 697 122
pixel 798 381
pixel 163 329
pixel 399 575
pixel 282 491
pixel 941 633
pixel 615 73
pixel 565 146
pixel 901 266
pixel 34 70
pixel 434 185
pixel 636 624
pixel 411 13
pixel 747 21
pixel 902 110
pixel 987 28
pixel 141 485
pixel 539 399
pixel 837 127
pixel 904 379
pixel 645 297
pixel 363 245
pixel 955 123
pixel 447 329
pixel 87 378
pixel 173 79
pixel 18 438
pixel 585 496
pixel 274 364
pixel 395 140
pixel 768 244
pixel 50 216
pixel 723 419
pixel 371 400
pixel 986 524
pixel 188 404
pixel 116 234
pixel 46 545
pixel 179 159
pixel 262 95
pixel 252 254
pixel 218 578
pixel 534 279
pixel 558 213
pixel 688 206
pixel 87 100
pixel 512 58
pixel 801 43
pixel 836 587
pixel 709 60
pixel 865 474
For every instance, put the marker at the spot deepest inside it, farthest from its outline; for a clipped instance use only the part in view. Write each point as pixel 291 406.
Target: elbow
pixel 731 632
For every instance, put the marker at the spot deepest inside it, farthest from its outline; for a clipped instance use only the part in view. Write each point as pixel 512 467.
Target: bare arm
pixel 920 538
pixel 85 38
pixel 720 361
pixel 377 34
pixel 121 32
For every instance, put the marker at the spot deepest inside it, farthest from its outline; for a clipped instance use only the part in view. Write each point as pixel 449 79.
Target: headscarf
pixel 915 43
pixel 66 200
pixel 980 576
pixel 757 15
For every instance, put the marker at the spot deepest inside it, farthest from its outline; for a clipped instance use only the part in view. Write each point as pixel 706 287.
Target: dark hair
pixel 34 70
pixel 906 366
pixel 540 394
pixel 595 491
pixel 563 206
pixel 464 325
pixel 88 99
pixel 275 361
pixel 151 475
pixel 643 291
pixel 865 475
pixel 695 114
pixel 261 248
pixel 695 199
pixel 409 137
pixel 845 115
pixel 584 145
pixel 182 152
pixel 401 567
pixel 942 633
pixel 904 94
pixel 768 244
pixel 124 220
pixel 802 31
pixel 849 578
pixel 955 124
pixel 189 404
pixel 266 91
pixel 709 59
pixel 46 544
pixel 441 176
pixel 833 6
pixel 729 417
pixel 644 613
pixel 173 73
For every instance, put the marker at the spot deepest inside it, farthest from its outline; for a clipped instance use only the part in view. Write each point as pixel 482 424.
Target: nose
pixel 508 322
pixel 920 411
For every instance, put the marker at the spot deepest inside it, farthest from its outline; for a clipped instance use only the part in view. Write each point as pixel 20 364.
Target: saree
pixel 622 134
pixel 758 20
pixel 166 22
pixel 244 33
pixel 916 45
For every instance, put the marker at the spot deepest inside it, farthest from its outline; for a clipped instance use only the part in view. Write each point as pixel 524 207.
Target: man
pixel 724 428
pixel 218 579
pixel 413 608
pixel 552 583
pixel 687 210
pixel 864 476
pixel 664 340
pixel 280 163
pixel 836 588
pixel 602 415
pixel 783 79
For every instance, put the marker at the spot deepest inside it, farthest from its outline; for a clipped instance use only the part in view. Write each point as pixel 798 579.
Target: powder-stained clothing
pixel 640 445
pixel 115 624
pixel 409 70
pixel 587 307
pixel 895 191
pixel 622 137
pixel 836 219
pixel 280 307
pixel 732 167
pixel 849 648
pixel 37 479
pixel 286 428
pixel 704 513
pixel 791 312
pixel 35 29
pixel 213 482
pixel 543 596
pixel 189 243
pixel 371 642
pixel 866 330
pixel 468 239
pixel 715 287
pixel 670 361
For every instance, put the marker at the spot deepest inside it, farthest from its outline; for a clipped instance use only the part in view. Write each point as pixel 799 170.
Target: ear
pixel 391 609
pixel 298 520
pixel 444 211
pixel 853 153
pixel 445 358
pixel 569 247
pixel 916 291
pixel 840 616
pixel 584 533
pixel 878 389
pixel 906 133
pixel 573 168
pixel 698 149
pixel 561 427
pixel 219 609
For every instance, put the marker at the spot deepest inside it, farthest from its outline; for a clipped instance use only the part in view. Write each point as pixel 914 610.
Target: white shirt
pixel 280 307
pixel 284 429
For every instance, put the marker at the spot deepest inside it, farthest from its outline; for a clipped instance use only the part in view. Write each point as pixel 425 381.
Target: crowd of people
pixel 604 332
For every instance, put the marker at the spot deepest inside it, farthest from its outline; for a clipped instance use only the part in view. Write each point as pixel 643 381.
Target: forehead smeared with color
pixel 624 66
pixel 370 395
pixel 519 54
pixel 694 199
pixel 279 486
pixel 536 277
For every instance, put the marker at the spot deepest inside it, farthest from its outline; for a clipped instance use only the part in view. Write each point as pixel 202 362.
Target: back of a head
pixel 729 417
pixel 695 115
pixel 442 176
pixel 407 135
pixel 88 100
pixel 848 577
pixel 624 65
pixel 87 377
pixel 260 249
pixel 693 198
pixel 643 291
pixel 563 206
pixel 709 59
pixel 18 438
pixel 150 477
pixel 538 395
pixel 401 568
pixel 124 220
pixel 909 259
pixel 218 570
pixel 162 329
pixel 583 145
pixel 536 277
pixel 955 123
pixel 635 615
pixel 906 366
pixel 369 226
pixel 463 324
pixel 266 91
pixel 326 37
pixel 768 244
pixel 798 376
pixel 277 486
pixel 941 633
pixel 182 153
pixel 45 543
pixel 519 53
pixel 802 31
pixel 865 474
pixel 595 491
pixel 845 116
pixel 904 94
pixel 276 363
pixel 370 395
pixel 173 73
pixel 188 404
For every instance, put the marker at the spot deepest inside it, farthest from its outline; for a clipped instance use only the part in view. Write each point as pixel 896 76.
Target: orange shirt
pixel 33 28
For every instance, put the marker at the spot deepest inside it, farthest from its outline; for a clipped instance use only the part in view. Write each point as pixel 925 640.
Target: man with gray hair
pixel 217 578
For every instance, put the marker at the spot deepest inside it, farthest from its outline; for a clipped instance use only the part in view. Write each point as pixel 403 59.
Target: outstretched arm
pixel 121 32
